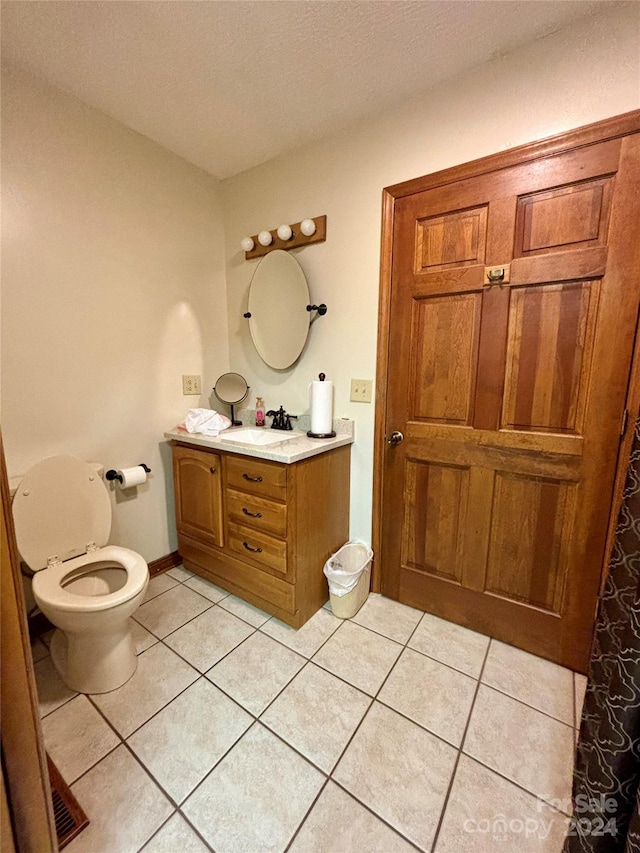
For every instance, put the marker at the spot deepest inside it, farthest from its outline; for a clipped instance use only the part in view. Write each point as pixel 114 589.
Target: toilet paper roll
pixel 321 404
pixel 132 477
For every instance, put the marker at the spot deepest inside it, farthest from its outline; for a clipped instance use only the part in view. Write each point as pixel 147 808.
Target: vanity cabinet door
pixel 198 493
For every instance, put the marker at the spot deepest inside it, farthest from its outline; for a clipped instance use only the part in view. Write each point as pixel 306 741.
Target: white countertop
pixel 290 450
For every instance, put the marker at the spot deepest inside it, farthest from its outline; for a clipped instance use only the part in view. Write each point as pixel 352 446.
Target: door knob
pixel 394 438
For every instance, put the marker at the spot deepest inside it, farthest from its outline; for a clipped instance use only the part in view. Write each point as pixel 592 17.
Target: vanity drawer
pixel 259 547
pixel 257 512
pixel 257 476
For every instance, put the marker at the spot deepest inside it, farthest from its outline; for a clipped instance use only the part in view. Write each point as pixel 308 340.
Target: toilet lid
pixel 60 507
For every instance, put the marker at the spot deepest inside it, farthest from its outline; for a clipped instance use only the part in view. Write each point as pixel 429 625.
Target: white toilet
pixel 86 588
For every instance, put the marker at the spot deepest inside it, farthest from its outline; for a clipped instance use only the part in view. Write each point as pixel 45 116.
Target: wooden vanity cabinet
pixel 199 498
pixel 261 529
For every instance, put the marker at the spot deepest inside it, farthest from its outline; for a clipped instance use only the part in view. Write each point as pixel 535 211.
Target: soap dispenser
pixel 259 412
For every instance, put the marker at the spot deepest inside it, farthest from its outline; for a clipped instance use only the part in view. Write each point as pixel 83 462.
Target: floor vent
pixel 67 813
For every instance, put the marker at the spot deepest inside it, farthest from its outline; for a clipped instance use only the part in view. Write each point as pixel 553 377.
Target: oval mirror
pixel 231 388
pixel 278 299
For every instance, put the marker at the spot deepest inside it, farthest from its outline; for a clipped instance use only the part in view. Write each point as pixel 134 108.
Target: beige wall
pixel 114 278
pixel 563 81
pixel 112 288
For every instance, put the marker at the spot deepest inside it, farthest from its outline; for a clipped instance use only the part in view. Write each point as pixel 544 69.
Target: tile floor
pixel 393 731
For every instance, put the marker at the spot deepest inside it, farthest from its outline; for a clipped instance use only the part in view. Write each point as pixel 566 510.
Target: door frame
pixel 600 131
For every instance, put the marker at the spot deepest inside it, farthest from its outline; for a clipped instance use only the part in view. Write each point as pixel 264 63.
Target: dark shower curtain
pixel 606 779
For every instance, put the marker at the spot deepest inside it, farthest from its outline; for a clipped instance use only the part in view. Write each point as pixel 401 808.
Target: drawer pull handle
pixel 249 548
pixel 252 514
pixel 213 470
pixel 252 479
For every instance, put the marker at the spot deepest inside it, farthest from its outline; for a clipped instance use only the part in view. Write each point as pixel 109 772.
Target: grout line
pixel 375 814
pixel 459 751
pixel 256 718
pixel 527 705
pixel 158 830
pixel 306 815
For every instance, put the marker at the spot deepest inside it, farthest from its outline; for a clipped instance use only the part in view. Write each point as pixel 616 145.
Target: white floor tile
pixel 142 639
pixel 38 650
pixel 124 806
pixel 181 743
pixel 256 797
pixel 253 615
pixel 208 638
pixel 52 691
pixel 176 836
pixel 430 693
pixel 169 611
pixel 77 737
pixel 317 714
pixel 394 620
pixel 488 814
pixel 206 588
pixel 580 690
pixel 451 644
pixel 400 771
pixel 530 679
pixel 158 585
pixel 256 671
pixel 523 744
pixel 308 639
pixel 180 573
pixel 339 824
pixel 160 676
pixel 359 656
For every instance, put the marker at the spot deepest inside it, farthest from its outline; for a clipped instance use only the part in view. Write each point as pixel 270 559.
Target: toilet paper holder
pixel 112 474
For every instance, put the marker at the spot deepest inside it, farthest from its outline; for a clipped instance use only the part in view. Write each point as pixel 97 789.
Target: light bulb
pixel 285 232
pixel 246 244
pixel 265 238
pixel 308 227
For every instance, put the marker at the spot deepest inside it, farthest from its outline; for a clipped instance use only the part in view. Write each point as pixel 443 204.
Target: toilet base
pixel 94 664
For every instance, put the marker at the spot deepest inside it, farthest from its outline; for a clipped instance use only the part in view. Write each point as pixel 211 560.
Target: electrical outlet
pixel 361 390
pixel 191 384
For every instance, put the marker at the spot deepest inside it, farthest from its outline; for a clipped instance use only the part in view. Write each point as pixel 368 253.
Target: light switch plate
pixel 361 390
pixel 191 384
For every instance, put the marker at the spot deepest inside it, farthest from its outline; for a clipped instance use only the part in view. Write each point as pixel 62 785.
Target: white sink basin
pixel 258 437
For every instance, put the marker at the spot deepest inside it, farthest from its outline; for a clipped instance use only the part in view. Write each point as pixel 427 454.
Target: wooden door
pixel 510 394
pixel 25 779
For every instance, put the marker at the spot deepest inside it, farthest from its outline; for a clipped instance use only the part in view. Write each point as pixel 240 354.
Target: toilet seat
pixel 61 509
pixel 47 585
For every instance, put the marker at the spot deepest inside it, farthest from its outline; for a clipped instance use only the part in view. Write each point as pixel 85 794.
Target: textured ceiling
pixel 229 85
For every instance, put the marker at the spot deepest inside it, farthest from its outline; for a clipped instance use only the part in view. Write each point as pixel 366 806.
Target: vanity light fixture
pixel 285 232
pixel 286 237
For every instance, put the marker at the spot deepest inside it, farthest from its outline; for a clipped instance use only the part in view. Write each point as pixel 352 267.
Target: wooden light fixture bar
pixel 298 239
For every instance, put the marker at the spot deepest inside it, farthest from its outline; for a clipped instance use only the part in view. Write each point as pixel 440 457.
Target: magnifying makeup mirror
pixel 231 388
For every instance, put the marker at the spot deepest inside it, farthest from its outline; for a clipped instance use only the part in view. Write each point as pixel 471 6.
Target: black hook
pixel 321 309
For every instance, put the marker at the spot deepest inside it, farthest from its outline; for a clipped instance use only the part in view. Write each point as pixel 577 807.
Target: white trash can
pixel 349 574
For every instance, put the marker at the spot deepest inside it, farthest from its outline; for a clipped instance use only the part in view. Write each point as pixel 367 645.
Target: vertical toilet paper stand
pixel 312 434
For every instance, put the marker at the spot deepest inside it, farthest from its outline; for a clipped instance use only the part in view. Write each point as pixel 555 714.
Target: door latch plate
pixel 497 275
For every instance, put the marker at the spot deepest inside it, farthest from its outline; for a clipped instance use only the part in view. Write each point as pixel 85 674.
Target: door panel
pixel 568 217
pixel 458 239
pixel 444 357
pixel 437 498
pixel 549 356
pixel 527 558
pixel 495 506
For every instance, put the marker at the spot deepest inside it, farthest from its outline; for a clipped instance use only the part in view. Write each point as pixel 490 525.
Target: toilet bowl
pixel 86 588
